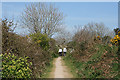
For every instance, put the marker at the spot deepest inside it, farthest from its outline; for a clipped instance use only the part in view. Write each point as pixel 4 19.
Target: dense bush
pixel 41 39
pixel 14 67
pixel 116 39
pixel 106 39
pixel 100 62
pixel 95 58
pixel 53 49
pixel 21 46
pixel 46 43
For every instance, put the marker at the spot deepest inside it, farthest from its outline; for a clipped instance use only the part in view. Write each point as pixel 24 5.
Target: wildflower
pixel 38 41
pixel 106 51
pixel 104 54
pixel 98 36
pixel 119 33
pixel 111 40
pixel 118 38
pixel 27 36
pixel 115 38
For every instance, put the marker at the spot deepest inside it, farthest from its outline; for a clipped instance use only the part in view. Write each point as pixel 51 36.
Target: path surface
pixel 60 70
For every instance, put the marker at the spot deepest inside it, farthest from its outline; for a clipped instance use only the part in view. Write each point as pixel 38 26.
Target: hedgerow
pixel 21 46
pixel 97 58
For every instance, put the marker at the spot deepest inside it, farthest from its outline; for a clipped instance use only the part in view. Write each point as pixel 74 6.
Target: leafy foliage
pixel 14 67
pixel 53 49
pixel 23 46
pixel 41 39
pixel 102 63
pixel 95 58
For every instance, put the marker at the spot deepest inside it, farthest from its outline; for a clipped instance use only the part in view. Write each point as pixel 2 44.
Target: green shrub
pixel 102 62
pixel 14 67
pixel 23 46
pixel 41 39
pixel 71 44
pixel 80 48
pixel 53 49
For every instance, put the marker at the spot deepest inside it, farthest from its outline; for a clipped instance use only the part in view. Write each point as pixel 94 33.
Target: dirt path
pixel 60 70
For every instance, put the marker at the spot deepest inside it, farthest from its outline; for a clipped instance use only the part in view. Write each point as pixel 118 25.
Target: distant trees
pixel 9 25
pixel 43 18
pixel 89 31
pixel 99 28
pixel 63 37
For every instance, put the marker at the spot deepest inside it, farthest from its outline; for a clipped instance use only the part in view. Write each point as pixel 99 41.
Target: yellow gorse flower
pixel 27 36
pixel 116 40
pixel 119 33
pixel 98 36
pixel 112 40
pixel 38 41
pixel 117 37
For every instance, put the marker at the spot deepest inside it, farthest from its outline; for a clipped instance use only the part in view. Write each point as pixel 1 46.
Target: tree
pixel 43 18
pixel 83 34
pixel 63 37
pixel 99 28
pixel 8 25
pixel 89 31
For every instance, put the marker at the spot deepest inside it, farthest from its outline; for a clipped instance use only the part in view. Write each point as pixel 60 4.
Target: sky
pixel 76 13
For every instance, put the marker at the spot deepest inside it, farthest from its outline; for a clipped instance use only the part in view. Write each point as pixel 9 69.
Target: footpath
pixel 59 69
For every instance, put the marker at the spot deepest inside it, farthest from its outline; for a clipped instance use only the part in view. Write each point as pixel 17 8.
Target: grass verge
pixel 48 70
pixel 68 62
pixel 99 65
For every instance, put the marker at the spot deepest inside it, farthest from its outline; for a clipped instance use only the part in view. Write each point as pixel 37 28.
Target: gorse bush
pixel 41 39
pixel 116 39
pixel 14 67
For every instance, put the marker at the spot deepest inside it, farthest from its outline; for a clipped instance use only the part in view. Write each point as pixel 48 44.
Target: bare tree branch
pixel 42 18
